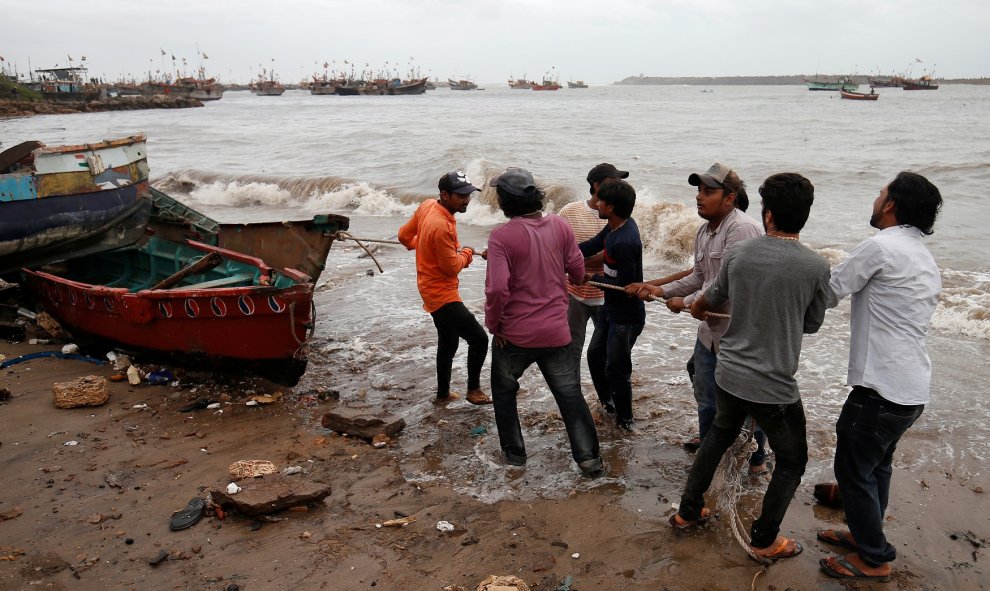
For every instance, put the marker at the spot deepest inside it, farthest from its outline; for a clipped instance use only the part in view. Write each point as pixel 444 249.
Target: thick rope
pixel 726 488
pixel 341 235
pixel 648 298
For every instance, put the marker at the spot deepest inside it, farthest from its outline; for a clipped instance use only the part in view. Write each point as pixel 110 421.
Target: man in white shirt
pixel 894 283
pixel 585 301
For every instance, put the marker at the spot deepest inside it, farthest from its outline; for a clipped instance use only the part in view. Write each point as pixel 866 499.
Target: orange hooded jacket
pixel 432 233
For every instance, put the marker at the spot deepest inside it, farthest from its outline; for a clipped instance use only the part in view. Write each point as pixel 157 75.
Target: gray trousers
pixel 578 314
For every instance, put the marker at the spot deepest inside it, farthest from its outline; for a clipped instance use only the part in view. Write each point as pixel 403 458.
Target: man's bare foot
pixel 477 396
pixel 780 548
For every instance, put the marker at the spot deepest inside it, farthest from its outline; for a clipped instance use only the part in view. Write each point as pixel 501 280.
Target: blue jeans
pixel 508 364
pixel 610 364
pixel 784 425
pixel 704 394
pixel 578 314
pixel 455 322
pixel 868 430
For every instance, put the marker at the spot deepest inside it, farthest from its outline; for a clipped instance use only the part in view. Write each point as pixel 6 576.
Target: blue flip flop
pixel 857 575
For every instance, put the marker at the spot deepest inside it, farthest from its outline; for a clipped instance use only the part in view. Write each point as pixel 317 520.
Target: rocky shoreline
pixel 25 108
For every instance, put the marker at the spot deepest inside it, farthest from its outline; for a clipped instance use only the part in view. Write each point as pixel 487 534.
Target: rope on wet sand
pixel 726 488
pixel 649 298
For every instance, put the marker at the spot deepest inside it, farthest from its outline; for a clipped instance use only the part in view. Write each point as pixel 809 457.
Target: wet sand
pixel 525 522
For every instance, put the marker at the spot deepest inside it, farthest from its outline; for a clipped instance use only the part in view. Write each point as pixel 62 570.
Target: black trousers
pixel 455 322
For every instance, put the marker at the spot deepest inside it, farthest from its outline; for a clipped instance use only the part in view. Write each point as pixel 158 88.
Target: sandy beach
pixel 66 527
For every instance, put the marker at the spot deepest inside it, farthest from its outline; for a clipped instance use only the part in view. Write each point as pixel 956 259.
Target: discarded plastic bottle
pixel 133 376
pixel 160 377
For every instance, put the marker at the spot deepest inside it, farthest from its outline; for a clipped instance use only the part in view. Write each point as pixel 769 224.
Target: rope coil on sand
pixel 649 299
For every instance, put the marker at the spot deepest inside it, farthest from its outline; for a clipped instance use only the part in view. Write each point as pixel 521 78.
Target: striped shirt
pixel 586 225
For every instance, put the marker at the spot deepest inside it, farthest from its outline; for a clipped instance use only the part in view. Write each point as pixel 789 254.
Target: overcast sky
pixel 599 41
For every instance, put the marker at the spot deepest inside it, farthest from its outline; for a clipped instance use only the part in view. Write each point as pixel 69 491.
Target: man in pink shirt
pixel 529 259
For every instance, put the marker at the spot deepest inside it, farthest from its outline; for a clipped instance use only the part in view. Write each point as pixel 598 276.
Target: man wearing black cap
pixel 432 233
pixel 719 191
pixel 526 311
pixel 621 319
pixel 585 301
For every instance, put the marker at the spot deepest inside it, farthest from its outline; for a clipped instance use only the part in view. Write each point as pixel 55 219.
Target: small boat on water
pixel 923 83
pixel 828 84
pixel 577 84
pixel 520 84
pixel 58 201
pixel 859 96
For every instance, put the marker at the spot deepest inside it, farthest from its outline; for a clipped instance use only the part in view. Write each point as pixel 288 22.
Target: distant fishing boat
pixel 577 84
pixel 841 83
pixel 59 201
pixel 65 84
pixel 923 83
pixel 267 86
pixel 859 96
pixel 892 82
pixel 520 84
pixel 463 84
pixel 382 86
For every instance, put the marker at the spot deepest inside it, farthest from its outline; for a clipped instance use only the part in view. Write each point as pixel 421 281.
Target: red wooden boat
pixel 189 299
pixel 859 96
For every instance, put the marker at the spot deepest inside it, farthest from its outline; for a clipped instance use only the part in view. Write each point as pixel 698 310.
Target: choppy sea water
pixel 375 158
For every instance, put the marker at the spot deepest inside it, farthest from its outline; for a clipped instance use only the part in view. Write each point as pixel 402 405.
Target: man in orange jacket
pixel 432 233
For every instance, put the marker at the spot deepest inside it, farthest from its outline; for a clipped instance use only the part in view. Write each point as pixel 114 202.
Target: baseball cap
pixel 456 182
pixel 515 181
pixel 605 171
pixel 714 177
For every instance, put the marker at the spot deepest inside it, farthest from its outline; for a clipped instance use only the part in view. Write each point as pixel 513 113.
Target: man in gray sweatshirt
pixel 777 291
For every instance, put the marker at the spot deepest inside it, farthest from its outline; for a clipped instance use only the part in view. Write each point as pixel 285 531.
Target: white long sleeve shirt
pixel 894 283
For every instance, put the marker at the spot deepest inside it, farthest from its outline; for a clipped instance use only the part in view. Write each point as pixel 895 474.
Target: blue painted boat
pixel 61 202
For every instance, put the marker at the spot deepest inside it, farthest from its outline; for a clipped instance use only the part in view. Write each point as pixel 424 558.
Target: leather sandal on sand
pixel 837 537
pixel 478 397
pixel 678 522
pixel 787 548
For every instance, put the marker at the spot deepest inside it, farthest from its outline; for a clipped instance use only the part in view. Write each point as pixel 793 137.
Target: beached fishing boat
pixel 859 96
pixel 66 84
pixel 301 244
pixel 187 299
pixel 577 84
pixel 841 83
pixel 923 83
pixel 59 201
